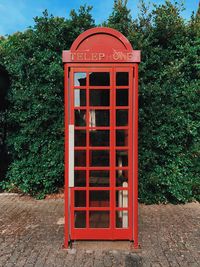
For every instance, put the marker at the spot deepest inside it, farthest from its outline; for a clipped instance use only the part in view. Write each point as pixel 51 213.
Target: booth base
pixel 103 245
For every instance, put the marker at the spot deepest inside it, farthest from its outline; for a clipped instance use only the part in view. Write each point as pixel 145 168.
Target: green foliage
pixel 120 19
pixel 35 112
pixel 81 21
pixel 4 85
pixel 169 106
pixel 169 118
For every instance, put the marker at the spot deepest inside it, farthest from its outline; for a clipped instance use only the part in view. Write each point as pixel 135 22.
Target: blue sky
pixel 17 15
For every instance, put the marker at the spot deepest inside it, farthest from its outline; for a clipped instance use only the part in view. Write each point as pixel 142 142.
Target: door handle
pixel 71 155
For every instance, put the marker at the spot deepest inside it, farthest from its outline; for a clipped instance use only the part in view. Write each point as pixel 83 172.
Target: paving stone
pixel 9 264
pixel 60 257
pixel 69 261
pixel 80 258
pixel 71 251
pixel 114 252
pixel 89 251
pixel 107 261
pixel 44 252
pixel 118 259
pixel 133 260
pixel 98 263
pixel 156 264
pixel 31 235
pixel 89 262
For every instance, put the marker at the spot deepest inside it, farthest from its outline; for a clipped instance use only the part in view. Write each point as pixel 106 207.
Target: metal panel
pixel 71 155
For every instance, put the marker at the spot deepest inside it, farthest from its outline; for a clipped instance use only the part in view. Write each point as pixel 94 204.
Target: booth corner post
pixel 101 137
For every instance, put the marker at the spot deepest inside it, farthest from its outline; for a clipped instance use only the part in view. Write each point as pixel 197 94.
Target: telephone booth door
pixel 101 152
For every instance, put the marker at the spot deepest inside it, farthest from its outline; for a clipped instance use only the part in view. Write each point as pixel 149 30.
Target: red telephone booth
pixel 101 132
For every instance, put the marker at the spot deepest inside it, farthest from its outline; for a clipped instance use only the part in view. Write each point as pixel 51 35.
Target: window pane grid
pixel 112 109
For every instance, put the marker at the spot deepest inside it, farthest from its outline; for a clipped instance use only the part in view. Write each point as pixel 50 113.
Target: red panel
pixel 108 56
pixel 115 40
pixel 90 47
pixel 101 234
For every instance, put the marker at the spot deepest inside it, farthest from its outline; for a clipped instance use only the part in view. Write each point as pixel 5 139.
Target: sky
pixel 17 15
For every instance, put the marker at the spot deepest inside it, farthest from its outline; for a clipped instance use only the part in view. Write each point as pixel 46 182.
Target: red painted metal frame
pixel 112 233
pixel 115 233
pixel 66 157
pixel 101 30
pixel 88 47
pixel 135 157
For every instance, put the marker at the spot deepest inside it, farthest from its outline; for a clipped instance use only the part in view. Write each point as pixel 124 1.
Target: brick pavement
pixel 31 235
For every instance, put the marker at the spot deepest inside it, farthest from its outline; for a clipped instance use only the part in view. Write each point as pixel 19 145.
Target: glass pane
pixel 121 158
pixel 99 158
pixel 99 178
pixel 79 79
pixel 99 78
pixel 99 219
pixel 80 117
pixel 122 137
pixel 80 219
pixel 79 97
pixel 80 138
pixel 99 199
pixel 99 138
pixel 122 197
pixel 122 78
pixel 80 158
pixel 122 219
pixel 99 97
pixel 122 117
pixel 99 118
pixel 121 177
pixel 80 198
pixel 122 97
pixel 80 178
